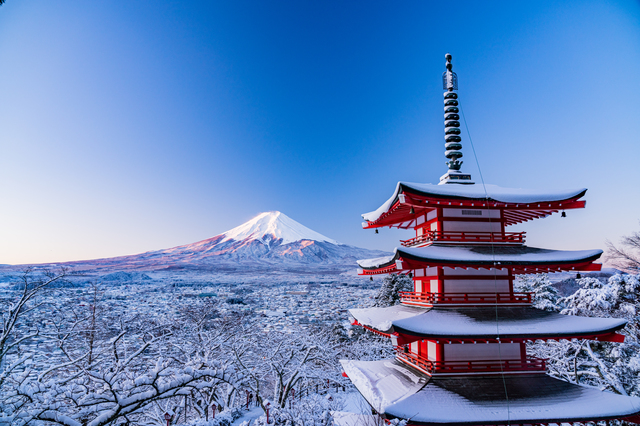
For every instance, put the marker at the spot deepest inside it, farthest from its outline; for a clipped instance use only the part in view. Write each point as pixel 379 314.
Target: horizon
pixel 130 128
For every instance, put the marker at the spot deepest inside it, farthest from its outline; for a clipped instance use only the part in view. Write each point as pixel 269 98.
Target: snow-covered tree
pixel 544 295
pixel 132 368
pixel 626 256
pixel 392 285
pixel 99 375
pixel 16 327
pixel 275 363
pixel 611 366
pixel 355 342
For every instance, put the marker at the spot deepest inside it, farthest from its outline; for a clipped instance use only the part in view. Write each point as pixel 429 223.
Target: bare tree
pixel 626 256
pixel 14 311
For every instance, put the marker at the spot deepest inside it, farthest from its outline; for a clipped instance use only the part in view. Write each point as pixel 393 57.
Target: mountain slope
pixel 270 241
pixel 274 226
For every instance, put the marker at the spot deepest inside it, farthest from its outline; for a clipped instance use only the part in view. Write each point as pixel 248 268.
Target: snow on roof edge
pixel 476 191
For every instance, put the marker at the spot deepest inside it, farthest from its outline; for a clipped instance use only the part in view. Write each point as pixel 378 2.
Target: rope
pixel 493 255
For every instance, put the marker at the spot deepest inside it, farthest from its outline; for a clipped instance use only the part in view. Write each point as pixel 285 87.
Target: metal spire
pixel 452 128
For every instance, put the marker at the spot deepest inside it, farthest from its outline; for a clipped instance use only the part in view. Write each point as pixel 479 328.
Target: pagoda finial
pixel 452 127
pixel 449 78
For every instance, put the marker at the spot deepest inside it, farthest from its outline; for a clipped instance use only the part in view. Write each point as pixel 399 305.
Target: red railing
pixel 485 366
pixel 413 298
pixel 468 237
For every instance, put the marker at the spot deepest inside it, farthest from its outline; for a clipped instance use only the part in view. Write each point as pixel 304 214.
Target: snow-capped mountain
pixel 269 241
pixel 274 226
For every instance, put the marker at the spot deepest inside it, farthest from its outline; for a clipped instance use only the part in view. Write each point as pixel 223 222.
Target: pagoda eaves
pixel 519 259
pixel 504 323
pixel 410 201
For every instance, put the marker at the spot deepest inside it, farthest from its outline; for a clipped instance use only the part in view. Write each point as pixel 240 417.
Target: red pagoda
pixel 460 336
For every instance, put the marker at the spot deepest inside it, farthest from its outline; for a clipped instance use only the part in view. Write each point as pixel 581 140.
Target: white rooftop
pixel 482 322
pixel 521 255
pixel 476 192
pixel 398 391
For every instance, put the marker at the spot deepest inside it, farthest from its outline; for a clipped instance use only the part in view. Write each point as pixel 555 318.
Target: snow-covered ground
pixel 249 416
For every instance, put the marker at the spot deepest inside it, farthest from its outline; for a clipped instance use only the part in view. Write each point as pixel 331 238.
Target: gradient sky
pixel 141 125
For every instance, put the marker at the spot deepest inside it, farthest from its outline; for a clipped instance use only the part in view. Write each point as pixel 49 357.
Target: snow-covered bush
pixel 225 418
pixel 314 410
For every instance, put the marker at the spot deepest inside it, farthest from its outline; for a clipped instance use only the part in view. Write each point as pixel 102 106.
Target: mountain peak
pixel 271 241
pixel 274 225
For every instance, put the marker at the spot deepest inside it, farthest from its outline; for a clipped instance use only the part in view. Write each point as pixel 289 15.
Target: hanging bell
pixel 578 276
pixel 376 231
pixel 410 275
pixel 370 278
pixel 563 214
pixel 412 211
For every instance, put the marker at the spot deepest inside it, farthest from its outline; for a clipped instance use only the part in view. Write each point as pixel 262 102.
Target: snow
pixel 521 255
pixel 392 388
pixel 355 411
pixel 475 191
pixel 274 224
pixel 376 262
pixel 249 416
pixel 512 322
pixel 578 403
pixel 498 253
pixel 125 276
pixel 344 418
pixel 353 402
pixel 383 383
pixel 382 318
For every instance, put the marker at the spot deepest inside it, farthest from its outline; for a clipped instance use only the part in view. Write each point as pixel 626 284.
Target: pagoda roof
pixel 520 204
pixel 484 323
pixel 521 259
pixel 398 391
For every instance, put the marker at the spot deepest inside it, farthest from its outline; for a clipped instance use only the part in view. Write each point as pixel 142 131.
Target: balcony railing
pixel 465 237
pixel 529 364
pixel 422 299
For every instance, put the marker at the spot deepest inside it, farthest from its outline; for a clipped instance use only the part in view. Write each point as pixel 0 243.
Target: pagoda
pixel 460 335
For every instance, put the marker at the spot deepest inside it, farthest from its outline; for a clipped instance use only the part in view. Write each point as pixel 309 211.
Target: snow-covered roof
pixel 483 322
pixel 382 318
pixel 482 255
pixel 486 192
pixel 383 383
pixel 398 391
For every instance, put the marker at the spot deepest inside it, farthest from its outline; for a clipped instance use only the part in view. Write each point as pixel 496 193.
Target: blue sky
pixel 133 126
